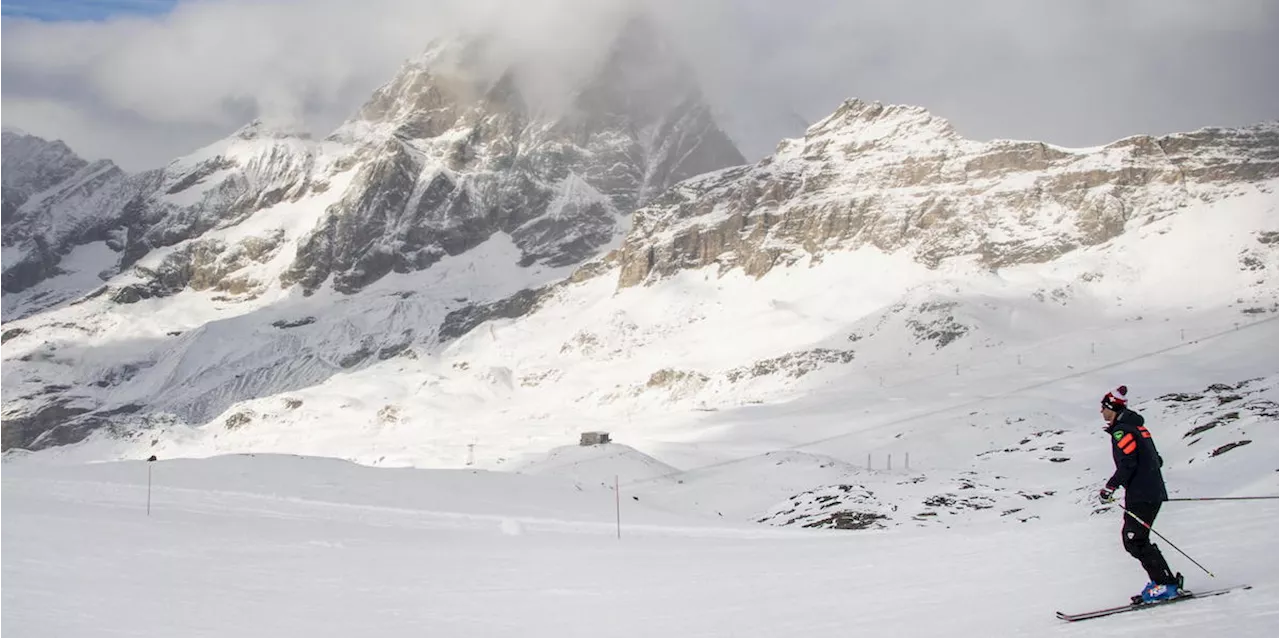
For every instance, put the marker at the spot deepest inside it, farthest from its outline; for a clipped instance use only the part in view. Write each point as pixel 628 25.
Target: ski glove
pixel 1106 495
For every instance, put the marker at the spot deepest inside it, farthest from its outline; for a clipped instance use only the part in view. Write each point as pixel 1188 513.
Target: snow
pixel 12 254
pixel 262 545
pixel 80 275
pixel 597 464
pixel 247 144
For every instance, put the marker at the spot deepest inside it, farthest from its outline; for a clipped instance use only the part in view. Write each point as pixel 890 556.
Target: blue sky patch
pixel 82 10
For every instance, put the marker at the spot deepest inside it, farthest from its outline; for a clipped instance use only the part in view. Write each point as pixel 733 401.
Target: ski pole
pixel 1226 498
pixel 1153 531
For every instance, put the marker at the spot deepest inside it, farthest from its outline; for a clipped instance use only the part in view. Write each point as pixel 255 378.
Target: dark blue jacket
pixel 1137 461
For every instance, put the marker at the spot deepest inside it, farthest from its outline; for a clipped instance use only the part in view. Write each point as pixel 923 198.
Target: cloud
pixel 144 89
pixel 1075 73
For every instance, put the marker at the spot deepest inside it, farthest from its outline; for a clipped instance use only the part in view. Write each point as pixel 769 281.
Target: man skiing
pixel 1138 472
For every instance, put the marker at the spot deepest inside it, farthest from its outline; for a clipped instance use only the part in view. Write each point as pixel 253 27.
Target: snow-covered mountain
pixel 30 165
pixel 99 222
pixel 448 158
pixel 445 159
pixel 52 199
pixel 454 276
pixel 899 178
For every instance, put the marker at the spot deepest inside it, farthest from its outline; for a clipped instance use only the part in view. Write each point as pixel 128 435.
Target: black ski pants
pixel 1137 541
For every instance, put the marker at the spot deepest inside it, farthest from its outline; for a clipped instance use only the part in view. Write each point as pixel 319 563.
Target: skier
pixel 1138 472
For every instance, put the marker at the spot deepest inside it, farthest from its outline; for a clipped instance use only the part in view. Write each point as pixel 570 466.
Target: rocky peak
pixel 53 199
pixel 428 93
pixel 81 208
pixel 29 165
pixel 252 141
pixel 28 160
pixel 453 153
pixel 259 129
pixel 859 126
pixel 258 166
pixel 642 121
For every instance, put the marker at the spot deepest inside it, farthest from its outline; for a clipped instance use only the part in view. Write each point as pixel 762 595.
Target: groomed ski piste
pixel 275 544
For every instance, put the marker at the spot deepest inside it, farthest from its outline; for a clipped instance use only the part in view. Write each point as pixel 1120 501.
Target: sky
pixel 144 81
pixel 82 10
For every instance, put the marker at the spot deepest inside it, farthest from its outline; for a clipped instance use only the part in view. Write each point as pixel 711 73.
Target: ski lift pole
pixel 1161 536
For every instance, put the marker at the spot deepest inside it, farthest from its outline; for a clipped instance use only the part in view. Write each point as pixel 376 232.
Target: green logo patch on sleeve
pixel 1118 434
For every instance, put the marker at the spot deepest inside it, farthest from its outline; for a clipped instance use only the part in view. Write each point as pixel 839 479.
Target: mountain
pixel 450 159
pixel 134 215
pixel 833 280
pixel 461 251
pixel 52 199
pixel 198 224
pixel 447 161
pixel 898 177
pixel 30 165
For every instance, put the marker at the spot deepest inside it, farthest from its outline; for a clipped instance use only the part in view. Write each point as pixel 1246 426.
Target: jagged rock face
pixel 218 187
pixel 28 168
pixel 643 122
pixel 29 165
pixel 449 159
pixel 45 228
pixel 205 264
pixel 54 201
pixel 215 187
pixel 896 177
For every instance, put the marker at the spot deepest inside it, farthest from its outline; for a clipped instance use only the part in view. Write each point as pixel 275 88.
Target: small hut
pixel 594 438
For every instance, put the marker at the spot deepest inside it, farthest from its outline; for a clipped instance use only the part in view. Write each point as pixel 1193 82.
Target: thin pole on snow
pixel 1153 531
pixel 150 460
pixel 617 504
pixel 1226 498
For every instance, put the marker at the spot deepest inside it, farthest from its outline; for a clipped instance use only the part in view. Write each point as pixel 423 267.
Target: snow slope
pixel 265 546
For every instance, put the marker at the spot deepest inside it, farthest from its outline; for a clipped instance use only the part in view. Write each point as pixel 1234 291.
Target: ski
pixel 1099 613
